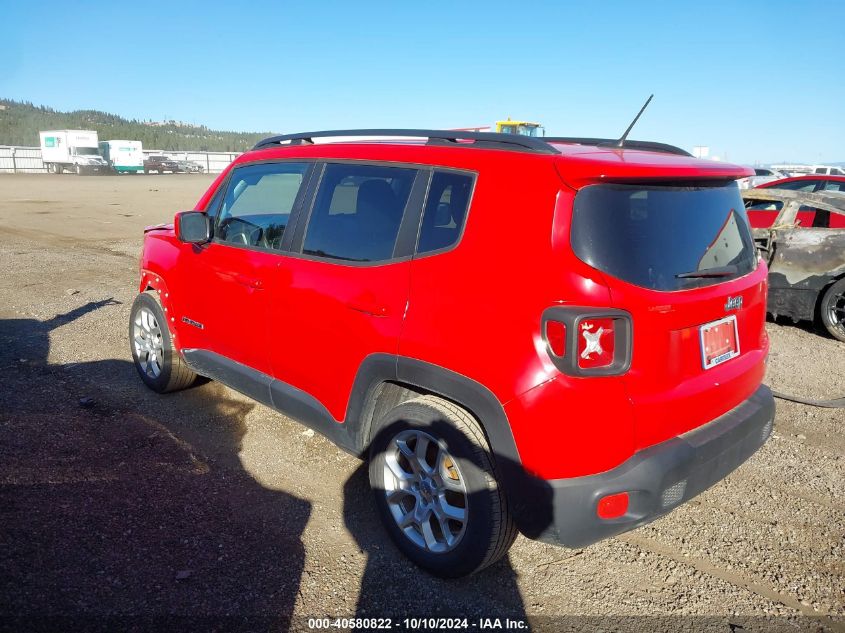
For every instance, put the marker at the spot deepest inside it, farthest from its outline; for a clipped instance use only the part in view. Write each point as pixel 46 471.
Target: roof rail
pixel 486 140
pixel 650 146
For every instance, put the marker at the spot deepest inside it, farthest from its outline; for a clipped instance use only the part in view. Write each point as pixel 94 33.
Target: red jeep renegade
pixel 559 336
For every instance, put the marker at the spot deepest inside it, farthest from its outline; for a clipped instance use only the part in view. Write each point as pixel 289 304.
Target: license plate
pixel 719 341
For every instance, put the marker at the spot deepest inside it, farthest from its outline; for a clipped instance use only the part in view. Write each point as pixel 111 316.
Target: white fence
pixel 21 160
pixel 27 160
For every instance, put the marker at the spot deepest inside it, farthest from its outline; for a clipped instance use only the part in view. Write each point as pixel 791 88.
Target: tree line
pixel 20 122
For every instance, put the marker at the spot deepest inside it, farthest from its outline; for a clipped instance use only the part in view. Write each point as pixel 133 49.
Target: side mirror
pixel 193 227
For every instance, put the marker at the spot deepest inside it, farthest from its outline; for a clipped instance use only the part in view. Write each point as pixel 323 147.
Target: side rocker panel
pixel 282 397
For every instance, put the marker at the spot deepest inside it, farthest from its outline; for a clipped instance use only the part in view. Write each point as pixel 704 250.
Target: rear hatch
pixel 680 258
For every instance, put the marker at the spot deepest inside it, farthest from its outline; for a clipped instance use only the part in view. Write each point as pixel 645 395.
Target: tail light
pixel 556 337
pixel 588 341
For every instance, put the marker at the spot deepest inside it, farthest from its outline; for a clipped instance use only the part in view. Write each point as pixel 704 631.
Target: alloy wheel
pixel 425 491
pixel 148 343
pixel 836 309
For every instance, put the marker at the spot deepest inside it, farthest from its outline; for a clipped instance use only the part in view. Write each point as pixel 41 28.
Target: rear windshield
pixel 664 238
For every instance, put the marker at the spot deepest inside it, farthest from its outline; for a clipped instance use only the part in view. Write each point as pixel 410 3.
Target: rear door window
pixel 664 238
pixel 357 212
pixel 258 203
pixel 445 211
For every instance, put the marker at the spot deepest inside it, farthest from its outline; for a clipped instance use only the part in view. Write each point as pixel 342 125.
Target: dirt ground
pixel 121 506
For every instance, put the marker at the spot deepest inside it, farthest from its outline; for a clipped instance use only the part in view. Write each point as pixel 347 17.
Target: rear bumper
pixel 657 479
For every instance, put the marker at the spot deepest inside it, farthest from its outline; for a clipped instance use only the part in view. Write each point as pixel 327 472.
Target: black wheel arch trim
pixel 377 369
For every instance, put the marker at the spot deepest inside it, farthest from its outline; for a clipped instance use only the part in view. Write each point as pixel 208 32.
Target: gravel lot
pixel 119 506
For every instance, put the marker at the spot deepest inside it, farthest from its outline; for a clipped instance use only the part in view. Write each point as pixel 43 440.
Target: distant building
pixel 170 122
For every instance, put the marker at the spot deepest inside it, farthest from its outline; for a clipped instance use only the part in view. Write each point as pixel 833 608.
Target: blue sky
pixel 757 81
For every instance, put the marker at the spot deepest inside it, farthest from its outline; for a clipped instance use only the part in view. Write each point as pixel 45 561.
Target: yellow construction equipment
pixel 525 128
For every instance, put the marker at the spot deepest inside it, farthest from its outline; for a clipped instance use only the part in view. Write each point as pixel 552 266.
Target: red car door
pixel 225 292
pixel 342 295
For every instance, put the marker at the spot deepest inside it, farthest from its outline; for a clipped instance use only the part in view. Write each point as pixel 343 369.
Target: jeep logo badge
pixel 733 303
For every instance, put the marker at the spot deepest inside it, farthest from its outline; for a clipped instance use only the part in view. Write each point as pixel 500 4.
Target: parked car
pixel 761 175
pixel 160 164
pixel 470 312
pixel 802 237
pixel 190 167
pixel 808 183
pixel 825 170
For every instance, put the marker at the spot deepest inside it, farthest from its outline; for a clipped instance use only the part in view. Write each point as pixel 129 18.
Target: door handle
pixel 367 307
pixel 249 282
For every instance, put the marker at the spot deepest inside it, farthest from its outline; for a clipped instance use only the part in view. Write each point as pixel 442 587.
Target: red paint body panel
pixel 583 165
pixel 670 390
pixel 570 427
pixel 476 309
pixel 325 324
pixel 228 290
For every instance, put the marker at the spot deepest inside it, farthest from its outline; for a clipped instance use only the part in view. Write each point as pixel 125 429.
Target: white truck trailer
pixel 124 157
pixel 72 150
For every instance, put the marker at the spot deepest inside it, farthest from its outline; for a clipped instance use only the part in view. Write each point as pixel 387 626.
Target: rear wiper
pixel 721 271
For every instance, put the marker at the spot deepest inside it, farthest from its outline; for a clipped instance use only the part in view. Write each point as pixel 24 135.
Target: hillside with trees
pixel 20 123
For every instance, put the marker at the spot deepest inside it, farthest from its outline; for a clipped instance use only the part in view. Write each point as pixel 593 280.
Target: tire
pixel 832 310
pixel 160 367
pixel 78 170
pixel 457 458
pixel 146 171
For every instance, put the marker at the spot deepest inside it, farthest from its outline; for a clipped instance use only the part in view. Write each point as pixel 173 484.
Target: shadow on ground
pixel 811 327
pixel 109 509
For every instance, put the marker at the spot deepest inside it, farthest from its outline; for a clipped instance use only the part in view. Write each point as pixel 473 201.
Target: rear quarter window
pixel 445 211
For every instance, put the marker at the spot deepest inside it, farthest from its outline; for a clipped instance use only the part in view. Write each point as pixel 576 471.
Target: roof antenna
pixel 621 141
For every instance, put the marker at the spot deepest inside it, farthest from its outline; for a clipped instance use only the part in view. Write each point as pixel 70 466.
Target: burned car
pixel 801 236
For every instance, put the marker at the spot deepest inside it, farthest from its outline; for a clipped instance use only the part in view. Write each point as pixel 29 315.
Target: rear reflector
pixel 596 343
pixel 612 506
pixel 556 337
